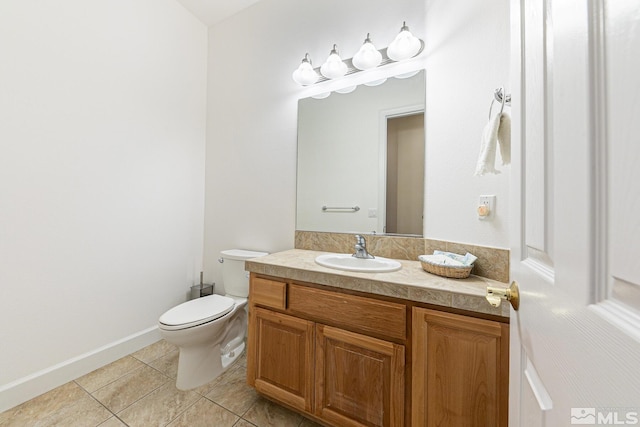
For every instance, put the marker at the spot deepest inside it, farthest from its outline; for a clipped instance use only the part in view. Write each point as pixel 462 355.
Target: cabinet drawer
pixel 268 293
pixel 362 314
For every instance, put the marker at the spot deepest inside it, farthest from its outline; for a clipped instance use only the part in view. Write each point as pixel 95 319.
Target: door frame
pixel 383 116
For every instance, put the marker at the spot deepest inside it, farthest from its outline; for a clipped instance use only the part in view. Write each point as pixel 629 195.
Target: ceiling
pixel 211 12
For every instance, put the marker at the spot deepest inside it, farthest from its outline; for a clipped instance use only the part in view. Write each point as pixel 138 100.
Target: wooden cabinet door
pixel 281 357
pixel 460 371
pixel 359 379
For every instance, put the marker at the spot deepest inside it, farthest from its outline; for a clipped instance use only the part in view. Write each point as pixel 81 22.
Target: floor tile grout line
pixel 121 420
pixel 112 414
pixel 158 370
pixel 246 421
pixel 140 398
pixel 110 382
pixel 230 410
pixel 226 409
pixel 255 402
pixel 185 410
pixel 141 367
pixel 150 361
pixel 157 358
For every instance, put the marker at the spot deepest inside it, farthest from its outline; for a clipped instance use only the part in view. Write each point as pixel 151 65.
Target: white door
pixel 575 225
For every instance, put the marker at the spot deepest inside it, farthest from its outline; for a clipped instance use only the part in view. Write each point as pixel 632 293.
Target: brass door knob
pixel 496 295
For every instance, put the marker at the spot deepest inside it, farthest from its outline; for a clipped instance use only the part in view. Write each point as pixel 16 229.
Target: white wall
pixel 468 58
pixel 102 141
pixel 252 108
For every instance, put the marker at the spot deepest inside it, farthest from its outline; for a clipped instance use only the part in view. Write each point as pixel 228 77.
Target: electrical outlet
pixel 486 204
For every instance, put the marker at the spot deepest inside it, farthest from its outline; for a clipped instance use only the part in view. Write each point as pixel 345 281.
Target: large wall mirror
pixel 361 158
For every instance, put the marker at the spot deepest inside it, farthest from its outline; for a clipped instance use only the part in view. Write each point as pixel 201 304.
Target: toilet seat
pixel 196 312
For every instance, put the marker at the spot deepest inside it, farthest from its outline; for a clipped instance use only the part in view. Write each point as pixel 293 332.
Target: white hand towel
pixel 487 158
pixel 504 138
pixel 497 130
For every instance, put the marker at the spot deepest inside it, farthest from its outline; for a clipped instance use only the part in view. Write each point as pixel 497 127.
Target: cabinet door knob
pixel 495 295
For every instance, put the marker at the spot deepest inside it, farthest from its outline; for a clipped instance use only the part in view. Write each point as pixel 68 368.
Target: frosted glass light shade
pixel 346 89
pixel 333 66
pixel 322 95
pixel 367 57
pixel 305 74
pixel 404 46
pixel 375 82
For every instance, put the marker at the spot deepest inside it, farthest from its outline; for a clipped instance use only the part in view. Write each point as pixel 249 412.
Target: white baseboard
pixel 26 388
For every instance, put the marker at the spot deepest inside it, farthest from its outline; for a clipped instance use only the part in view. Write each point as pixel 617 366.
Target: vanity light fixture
pixel 305 74
pixel 404 46
pixel 348 89
pixel 407 75
pixel 375 82
pixel 322 95
pixel 334 67
pixel 367 57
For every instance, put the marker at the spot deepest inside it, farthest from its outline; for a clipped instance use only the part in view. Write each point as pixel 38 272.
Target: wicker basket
pixel 452 271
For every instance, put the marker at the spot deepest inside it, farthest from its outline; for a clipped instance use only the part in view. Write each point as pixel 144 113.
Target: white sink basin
pixel 348 262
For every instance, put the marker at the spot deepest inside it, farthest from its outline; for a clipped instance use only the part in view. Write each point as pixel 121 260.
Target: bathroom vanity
pixel 404 348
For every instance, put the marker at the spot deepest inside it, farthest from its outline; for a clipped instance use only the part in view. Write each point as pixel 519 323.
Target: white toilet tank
pixel 234 277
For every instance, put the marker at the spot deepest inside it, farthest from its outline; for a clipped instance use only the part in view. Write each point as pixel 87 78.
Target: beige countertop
pixel 411 282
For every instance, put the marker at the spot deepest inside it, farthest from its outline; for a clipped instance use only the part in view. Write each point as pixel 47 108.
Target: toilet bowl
pixel 210 331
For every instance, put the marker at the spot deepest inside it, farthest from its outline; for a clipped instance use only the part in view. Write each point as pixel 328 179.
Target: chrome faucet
pixel 361 248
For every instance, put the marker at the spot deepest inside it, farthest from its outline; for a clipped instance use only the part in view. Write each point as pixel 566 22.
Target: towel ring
pixel 501 97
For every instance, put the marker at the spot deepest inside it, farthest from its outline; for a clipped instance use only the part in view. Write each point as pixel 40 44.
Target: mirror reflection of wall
pixel 342 159
pixel 405 174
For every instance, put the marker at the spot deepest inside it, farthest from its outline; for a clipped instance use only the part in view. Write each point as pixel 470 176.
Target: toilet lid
pixel 197 311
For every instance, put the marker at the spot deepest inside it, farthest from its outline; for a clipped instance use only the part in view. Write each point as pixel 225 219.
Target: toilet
pixel 210 331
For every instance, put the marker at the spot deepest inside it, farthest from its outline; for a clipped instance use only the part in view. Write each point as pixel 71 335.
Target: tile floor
pixel 139 391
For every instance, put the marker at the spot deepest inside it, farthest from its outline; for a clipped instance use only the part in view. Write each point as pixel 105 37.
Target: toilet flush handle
pixel 220 260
